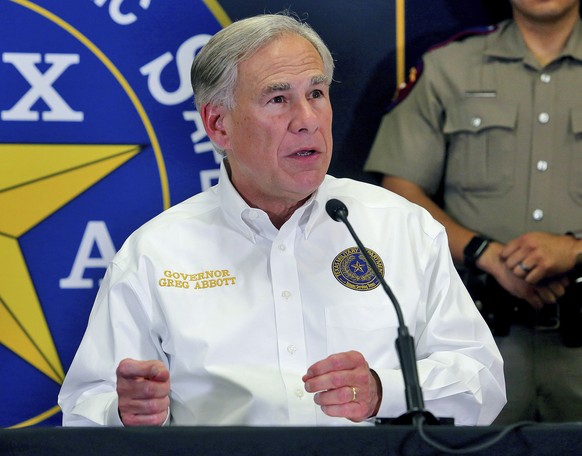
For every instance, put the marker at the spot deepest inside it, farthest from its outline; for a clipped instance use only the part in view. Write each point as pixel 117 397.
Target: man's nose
pixel 305 118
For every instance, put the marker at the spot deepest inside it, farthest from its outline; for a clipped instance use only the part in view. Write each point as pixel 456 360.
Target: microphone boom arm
pixel 404 341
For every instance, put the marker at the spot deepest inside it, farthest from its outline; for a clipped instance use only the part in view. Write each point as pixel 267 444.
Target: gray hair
pixel 214 70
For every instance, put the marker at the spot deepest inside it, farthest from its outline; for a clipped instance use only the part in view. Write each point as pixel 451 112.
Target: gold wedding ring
pixel 355 394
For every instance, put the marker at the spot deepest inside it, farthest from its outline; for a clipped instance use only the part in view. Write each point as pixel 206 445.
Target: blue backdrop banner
pixel 98 133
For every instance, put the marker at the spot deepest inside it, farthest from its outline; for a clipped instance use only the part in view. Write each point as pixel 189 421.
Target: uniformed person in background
pixel 488 138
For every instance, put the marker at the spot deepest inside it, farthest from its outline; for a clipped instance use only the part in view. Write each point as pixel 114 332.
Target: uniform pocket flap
pixel 474 115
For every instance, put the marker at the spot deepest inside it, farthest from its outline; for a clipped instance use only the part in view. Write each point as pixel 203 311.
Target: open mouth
pixel 305 153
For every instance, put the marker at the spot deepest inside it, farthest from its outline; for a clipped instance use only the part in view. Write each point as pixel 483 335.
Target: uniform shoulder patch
pixel 416 71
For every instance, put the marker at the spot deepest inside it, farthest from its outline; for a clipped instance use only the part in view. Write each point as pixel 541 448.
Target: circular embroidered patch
pixel 351 269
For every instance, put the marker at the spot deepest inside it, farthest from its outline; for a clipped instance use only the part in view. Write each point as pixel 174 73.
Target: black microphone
pixel 404 342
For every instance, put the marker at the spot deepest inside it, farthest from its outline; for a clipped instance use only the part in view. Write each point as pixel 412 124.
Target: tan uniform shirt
pixel 505 133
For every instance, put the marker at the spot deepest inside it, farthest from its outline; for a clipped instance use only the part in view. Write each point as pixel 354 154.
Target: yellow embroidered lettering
pixel 201 280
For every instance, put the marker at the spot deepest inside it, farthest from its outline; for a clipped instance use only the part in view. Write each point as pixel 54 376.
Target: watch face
pixel 474 246
pixel 474 250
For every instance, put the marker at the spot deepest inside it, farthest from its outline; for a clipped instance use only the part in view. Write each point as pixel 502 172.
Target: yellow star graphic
pixel 35 182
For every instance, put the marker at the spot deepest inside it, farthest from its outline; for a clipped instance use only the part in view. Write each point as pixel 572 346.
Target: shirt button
pixel 292 349
pixel 545 77
pixel 476 122
pixel 299 393
pixel 286 294
pixel 544 118
pixel 538 214
pixel 542 165
pixel 282 247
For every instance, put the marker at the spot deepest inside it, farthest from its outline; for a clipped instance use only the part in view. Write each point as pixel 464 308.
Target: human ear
pixel 213 120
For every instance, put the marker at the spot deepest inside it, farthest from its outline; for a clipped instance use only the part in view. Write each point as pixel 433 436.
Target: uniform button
pixel 476 122
pixel 542 165
pixel 299 393
pixel 292 349
pixel 286 294
pixel 538 214
pixel 282 247
pixel 544 118
pixel 545 77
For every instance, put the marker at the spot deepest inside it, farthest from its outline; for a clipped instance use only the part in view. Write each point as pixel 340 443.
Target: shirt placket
pixel 290 327
pixel 540 175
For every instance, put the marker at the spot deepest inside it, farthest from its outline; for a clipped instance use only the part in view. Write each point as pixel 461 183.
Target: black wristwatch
pixel 474 249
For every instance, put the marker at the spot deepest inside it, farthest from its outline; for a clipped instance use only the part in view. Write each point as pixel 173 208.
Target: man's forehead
pixel 289 53
pixel 283 64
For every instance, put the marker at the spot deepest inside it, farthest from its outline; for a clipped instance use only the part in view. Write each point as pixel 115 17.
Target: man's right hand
pixel 143 389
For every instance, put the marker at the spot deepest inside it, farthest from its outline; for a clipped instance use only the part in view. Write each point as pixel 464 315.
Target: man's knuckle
pixel 337 379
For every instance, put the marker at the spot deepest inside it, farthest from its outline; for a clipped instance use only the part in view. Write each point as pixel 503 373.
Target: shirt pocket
pixel 481 138
pixel 369 329
pixel 575 168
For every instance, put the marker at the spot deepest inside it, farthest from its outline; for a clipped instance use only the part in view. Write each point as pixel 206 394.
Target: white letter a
pixel 97 234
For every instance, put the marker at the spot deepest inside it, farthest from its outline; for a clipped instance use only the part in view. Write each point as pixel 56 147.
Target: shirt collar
pixel 254 222
pixel 232 204
pixel 508 44
pixel 318 201
pixel 574 46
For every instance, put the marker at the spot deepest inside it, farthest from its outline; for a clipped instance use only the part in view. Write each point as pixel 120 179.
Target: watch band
pixel 474 249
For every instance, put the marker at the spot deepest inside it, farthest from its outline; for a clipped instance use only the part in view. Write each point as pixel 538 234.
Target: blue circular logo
pixel 98 134
pixel 351 269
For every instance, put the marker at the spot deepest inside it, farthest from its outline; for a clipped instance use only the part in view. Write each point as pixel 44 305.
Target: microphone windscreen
pixel 336 209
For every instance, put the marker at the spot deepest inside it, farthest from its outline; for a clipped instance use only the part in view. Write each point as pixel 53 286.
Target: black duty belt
pixel 501 310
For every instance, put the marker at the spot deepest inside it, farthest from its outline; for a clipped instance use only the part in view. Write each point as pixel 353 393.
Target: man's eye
pixel 278 99
pixel 317 94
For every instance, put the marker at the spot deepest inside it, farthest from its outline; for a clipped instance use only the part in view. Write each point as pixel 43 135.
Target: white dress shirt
pixel 238 310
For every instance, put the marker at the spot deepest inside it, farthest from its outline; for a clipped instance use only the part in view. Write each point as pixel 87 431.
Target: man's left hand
pixel 345 386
